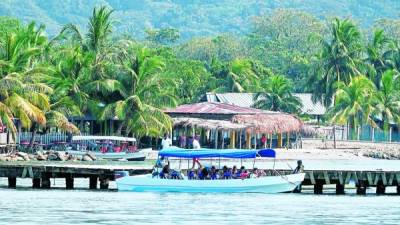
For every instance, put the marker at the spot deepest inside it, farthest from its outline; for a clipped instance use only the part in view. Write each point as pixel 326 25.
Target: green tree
pixel 388 99
pixel 284 41
pixel 376 56
pixel 164 36
pixel 276 95
pixel 354 102
pixel 338 61
pixel 143 93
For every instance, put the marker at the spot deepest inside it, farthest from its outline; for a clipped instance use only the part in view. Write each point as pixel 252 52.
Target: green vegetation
pixel 111 75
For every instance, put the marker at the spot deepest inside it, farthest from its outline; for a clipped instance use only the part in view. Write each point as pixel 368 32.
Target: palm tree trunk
pixel 32 141
pixel 119 129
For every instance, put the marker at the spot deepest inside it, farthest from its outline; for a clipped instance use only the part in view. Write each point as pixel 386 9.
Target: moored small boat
pixel 106 147
pixel 264 184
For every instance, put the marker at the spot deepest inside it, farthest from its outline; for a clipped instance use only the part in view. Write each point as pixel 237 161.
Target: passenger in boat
pixel 235 173
pixel 175 175
pixel 227 173
pixel 191 175
pixel 164 174
pixel 195 145
pixel 213 173
pixel 244 174
pixel 202 173
pixel 299 168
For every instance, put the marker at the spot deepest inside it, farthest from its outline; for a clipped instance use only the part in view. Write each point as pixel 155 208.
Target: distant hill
pixel 191 17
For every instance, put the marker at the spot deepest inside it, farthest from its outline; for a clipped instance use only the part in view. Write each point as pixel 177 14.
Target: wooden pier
pixel 362 180
pixel 100 175
pixel 41 173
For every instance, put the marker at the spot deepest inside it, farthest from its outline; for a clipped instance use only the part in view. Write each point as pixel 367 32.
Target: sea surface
pixel 81 206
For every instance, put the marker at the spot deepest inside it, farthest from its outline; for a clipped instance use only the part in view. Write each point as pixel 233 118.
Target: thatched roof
pixel 269 122
pixel 208 115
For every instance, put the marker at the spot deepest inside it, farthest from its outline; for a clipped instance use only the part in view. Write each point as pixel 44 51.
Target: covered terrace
pixel 221 125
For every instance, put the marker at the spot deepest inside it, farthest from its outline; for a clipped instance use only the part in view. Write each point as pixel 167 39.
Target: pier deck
pixel 103 172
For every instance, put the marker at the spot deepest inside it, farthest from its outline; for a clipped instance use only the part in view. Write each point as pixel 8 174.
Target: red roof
pixel 213 108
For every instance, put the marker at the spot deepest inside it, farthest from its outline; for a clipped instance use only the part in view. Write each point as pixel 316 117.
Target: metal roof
pixel 213 108
pixel 247 100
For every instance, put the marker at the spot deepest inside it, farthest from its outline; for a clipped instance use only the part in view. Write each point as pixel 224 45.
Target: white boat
pixel 108 148
pixel 264 184
pixel 115 156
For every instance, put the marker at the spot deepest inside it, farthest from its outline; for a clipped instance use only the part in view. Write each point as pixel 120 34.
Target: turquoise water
pixel 58 206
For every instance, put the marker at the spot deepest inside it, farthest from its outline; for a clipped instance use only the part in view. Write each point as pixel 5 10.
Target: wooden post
pixel 223 139
pixel 373 134
pixel 279 140
pixel 36 182
pixel 248 140
pixel 92 182
pixel 104 182
pixel 12 182
pixel 46 182
pixel 288 140
pixel 240 139
pixel 380 188
pixel 69 182
pixel 318 187
pixel 270 141
pixel 339 189
pixel 361 188
pixel 216 139
pixel 390 134
pixel 334 136
pixel 233 139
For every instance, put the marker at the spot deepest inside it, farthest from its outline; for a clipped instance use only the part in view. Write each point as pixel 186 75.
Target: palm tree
pixel 235 76
pixel 144 91
pixel 354 103
pixel 338 61
pixel 376 51
pixel 21 95
pixel 277 96
pixel 388 99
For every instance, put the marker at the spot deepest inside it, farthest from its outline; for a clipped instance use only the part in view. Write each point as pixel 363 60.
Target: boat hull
pixel 136 156
pixel 268 184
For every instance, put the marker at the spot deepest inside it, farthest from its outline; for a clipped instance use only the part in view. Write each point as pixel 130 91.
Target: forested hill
pixel 190 17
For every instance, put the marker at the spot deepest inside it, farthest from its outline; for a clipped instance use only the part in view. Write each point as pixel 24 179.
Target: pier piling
pixel 340 189
pixel 35 182
pixel 69 182
pixel 104 183
pixel 46 182
pixel 380 189
pixel 12 182
pixel 318 187
pixel 93 182
pixel 361 188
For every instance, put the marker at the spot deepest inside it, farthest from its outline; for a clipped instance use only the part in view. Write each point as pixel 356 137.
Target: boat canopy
pixel 213 153
pixel 111 138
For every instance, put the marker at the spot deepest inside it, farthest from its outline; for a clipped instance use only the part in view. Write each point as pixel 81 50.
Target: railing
pixel 44 139
pixel 361 133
